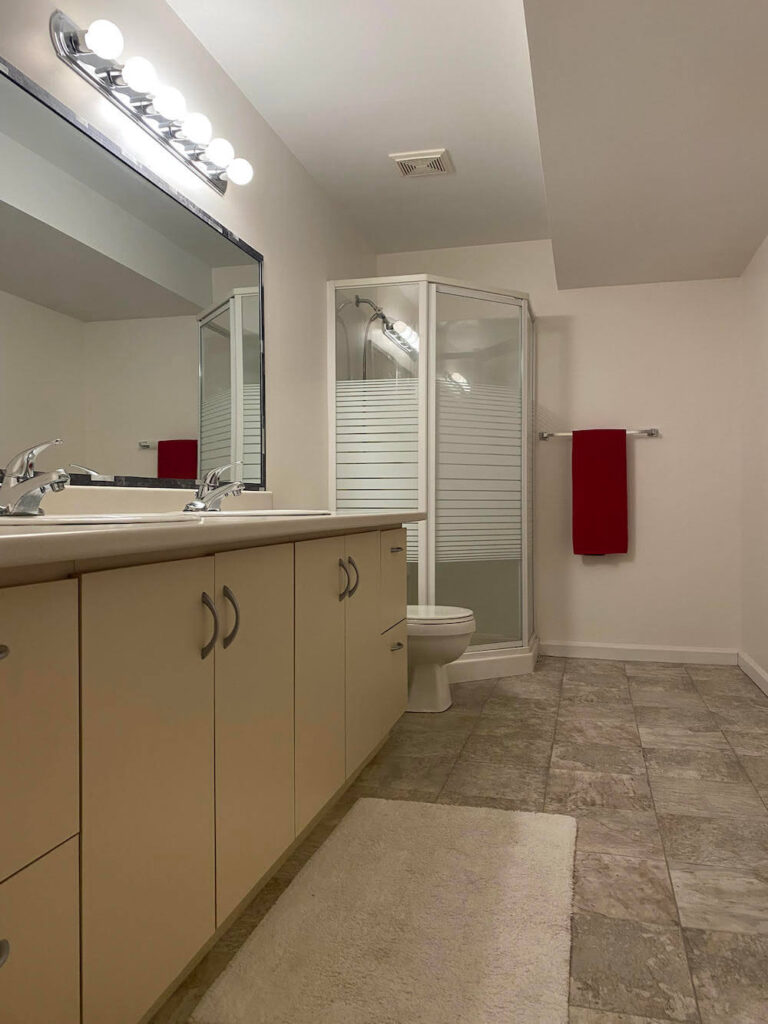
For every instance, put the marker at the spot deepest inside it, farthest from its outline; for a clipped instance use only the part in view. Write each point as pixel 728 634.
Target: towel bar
pixel 544 435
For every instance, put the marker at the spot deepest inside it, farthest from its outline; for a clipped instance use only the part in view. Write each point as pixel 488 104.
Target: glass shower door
pixel 476 528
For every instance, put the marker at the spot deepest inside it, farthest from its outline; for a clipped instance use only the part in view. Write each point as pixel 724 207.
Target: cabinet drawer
pixel 38 721
pixel 39 939
pixel 393 578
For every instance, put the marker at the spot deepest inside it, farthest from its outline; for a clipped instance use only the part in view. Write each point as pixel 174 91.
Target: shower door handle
pixel 356 584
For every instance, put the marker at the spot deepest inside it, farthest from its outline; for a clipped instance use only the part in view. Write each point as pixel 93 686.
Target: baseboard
pixel 756 673
pixel 640 652
pixel 478 666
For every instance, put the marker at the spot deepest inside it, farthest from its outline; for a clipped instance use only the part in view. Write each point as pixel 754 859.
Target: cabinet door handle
pixel 397 646
pixel 5 951
pixel 206 650
pixel 353 591
pixel 4 651
pixel 395 551
pixel 236 628
pixel 345 591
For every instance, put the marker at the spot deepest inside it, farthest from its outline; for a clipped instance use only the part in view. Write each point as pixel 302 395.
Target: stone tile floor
pixel 665 768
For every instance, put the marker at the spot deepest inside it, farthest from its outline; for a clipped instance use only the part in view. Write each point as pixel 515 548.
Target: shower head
pixel 396 330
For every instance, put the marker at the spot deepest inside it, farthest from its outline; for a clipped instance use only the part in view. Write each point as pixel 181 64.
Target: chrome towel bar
pixel 544 435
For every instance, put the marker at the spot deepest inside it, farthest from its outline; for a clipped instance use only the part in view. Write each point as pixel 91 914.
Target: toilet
pixel 437 635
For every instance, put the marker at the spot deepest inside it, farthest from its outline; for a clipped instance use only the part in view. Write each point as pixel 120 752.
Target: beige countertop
pixel 79 548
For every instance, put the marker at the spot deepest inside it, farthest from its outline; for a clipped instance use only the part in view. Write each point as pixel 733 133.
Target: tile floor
pixel 666 769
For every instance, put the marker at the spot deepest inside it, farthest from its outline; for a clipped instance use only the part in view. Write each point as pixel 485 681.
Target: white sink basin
pixel 99 519
pixel 250 513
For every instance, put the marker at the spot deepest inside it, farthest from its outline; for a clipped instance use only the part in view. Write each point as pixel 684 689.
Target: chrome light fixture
pixel 135 88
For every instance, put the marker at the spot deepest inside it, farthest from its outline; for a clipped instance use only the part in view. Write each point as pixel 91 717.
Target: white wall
pixel 100 386
pixel 667 356
pixel 755 463
pixel 282 213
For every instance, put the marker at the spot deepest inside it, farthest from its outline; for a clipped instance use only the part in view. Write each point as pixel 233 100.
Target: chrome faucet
pixel 22 489
pixel 211 491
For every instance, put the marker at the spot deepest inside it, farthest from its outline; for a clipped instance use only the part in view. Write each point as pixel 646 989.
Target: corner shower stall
pixel 431 404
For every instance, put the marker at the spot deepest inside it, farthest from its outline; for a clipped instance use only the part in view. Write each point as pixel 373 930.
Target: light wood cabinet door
pixel 39 941
pixel 364 660
pixel 319 681
pixel 38 721
pixel 394 580
pixel 147 783
pixel 254 718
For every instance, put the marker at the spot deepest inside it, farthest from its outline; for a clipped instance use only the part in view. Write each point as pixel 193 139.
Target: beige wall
pixel 282 213
pixel 663 355
pixel 755 463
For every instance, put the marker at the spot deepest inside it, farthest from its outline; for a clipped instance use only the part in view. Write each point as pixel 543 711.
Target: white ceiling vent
pixel 423 162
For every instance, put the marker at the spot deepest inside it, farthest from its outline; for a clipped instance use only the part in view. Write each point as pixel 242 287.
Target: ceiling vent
pixel 424 162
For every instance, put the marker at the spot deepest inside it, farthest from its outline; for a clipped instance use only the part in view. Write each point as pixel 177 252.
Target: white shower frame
pixel 483 660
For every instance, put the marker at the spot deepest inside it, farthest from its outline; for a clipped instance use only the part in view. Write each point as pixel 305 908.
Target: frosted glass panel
pixel 478 463
pixel 377 405
pixel 253 434
pixel 216 391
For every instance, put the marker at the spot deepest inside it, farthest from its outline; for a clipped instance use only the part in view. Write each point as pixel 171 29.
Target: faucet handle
pixel 22 466
pixel 212 478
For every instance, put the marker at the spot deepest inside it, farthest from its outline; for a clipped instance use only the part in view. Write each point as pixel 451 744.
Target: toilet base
pixel 428 688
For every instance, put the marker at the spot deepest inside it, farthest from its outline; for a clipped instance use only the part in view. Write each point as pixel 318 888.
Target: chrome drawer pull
pixel 345 591
pixel 4 651
pixel 5 951
pixel 206 650
pixel 398 646
pixel 395 551
pixel 229 596
pixel 353 591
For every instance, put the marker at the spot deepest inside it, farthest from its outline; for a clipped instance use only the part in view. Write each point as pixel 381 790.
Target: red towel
pixel 599 469
pixel 177 460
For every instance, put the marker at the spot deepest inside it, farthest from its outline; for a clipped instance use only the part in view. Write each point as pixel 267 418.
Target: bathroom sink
pixel 250 513
pixel 99 519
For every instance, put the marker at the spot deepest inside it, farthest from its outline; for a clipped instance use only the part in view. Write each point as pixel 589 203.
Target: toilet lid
pixel 426 613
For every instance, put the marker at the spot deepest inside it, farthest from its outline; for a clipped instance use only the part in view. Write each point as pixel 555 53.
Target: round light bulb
pixel 220 152
pixel 170 103
pixel 197 128
pixel 239 171
pixel 105 39
pixel 139 74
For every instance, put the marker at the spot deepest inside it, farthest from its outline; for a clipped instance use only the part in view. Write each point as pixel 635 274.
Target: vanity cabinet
pixel 350 690
pixel 147 782
pixel 321 584
pixel 39 800
pixel 254 718
pixel 39 941
pixel 394 578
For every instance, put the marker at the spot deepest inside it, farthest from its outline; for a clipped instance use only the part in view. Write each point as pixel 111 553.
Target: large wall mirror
pixel 131 324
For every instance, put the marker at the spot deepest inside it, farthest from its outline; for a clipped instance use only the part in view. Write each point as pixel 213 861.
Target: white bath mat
pixel 414 913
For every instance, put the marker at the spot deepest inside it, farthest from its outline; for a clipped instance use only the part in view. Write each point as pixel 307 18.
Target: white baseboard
pixel 640 652
pixel 477 666
pixel 756 673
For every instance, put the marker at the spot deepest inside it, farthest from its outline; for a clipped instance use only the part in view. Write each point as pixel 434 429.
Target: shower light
pixel 104 38
pixel 239 171
pixel 161 111
pixel 139 74
pixel 170 103
pixel 197 128
pixel 220 152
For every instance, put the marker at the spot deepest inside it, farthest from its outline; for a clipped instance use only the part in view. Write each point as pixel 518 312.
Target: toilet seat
pixel 439 620
pixel 426 614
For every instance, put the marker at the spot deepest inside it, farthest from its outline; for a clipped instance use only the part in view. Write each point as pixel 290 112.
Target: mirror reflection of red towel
pixel 177 460
pixel 599 468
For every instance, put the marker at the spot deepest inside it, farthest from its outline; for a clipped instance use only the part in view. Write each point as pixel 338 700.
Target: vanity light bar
pixel 161 110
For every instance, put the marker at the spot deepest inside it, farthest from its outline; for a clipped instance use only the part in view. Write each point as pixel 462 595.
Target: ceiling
pixel 653 120
pixel 45 266
pixel 344 83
